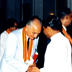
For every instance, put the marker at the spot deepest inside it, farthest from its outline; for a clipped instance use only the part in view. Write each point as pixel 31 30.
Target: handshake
pixel 33 68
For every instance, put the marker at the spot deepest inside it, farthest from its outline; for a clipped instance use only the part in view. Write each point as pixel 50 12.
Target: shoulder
pixel 60 40
pixel 3 33
pixel 64 42
pixel 16 32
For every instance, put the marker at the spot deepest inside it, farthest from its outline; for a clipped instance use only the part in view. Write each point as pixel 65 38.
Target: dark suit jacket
pixel 41 49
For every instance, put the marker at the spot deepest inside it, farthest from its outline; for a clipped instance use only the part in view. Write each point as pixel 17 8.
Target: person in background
pixel 11 25
pixel 18 56
pixel 58 51
pixel 65 18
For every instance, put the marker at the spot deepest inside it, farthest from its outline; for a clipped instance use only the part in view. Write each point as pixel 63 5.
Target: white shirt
pixel 13 57
pixel 71 46
pixel 3 39
pixel 64 27
pixel 58 55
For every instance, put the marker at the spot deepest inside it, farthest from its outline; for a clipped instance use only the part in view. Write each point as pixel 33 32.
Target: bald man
pixel 18 57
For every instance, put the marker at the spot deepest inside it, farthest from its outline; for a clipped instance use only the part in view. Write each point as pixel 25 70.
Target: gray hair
pixel 30 23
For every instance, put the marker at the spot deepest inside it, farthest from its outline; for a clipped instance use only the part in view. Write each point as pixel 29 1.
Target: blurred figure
pixel 64 15
pixel 69 28
pixel 18 56
pixel 58 52
pixel 65 18
pixel 11 25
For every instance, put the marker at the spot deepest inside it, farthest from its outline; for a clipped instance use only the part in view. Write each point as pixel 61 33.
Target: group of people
pixel 16 55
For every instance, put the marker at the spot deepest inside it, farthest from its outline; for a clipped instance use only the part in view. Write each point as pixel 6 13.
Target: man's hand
pixel 34 69
pixel 30 67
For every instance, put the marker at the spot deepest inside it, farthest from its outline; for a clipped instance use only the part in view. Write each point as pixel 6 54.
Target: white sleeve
pixel 3 38
pixel 42 70
pixel 0 47
pixel 10 52
pixel 56 59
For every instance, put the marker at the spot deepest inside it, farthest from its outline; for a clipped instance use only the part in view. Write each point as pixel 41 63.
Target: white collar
pixel 55 36
pixel 64 27
pixel 27 37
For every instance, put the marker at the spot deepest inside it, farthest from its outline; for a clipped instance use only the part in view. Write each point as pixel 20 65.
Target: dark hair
pixel 53 22
pixel 63 12
pixel 10 22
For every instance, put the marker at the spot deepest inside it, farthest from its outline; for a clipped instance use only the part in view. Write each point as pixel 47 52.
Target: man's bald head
pixel 33 28
pixel 34 21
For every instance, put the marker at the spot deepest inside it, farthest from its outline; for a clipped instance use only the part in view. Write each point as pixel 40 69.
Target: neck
pixel 54 32
pixel 62 21
pixel 64 25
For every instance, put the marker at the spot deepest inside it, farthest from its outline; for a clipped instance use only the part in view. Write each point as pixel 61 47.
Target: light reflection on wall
pixel 51 13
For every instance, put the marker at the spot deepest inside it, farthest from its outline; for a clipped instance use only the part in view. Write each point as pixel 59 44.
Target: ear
pixel 27 27
pixel 50 29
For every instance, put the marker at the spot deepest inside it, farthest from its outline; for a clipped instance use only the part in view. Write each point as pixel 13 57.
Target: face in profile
pixel 47 31
pixel 71 16
pixel 66 21
pixel 33 31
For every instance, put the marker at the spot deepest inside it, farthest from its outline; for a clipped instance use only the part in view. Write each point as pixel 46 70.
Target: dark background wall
pixel 61 3
pixel 23 10
pixel 49 6
pixel 13 9
pixel 27 10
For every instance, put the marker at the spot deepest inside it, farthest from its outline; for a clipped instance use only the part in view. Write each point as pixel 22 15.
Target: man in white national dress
pixel 16 57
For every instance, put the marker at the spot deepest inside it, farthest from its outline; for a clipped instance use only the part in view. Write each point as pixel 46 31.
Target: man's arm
pixel 11 55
